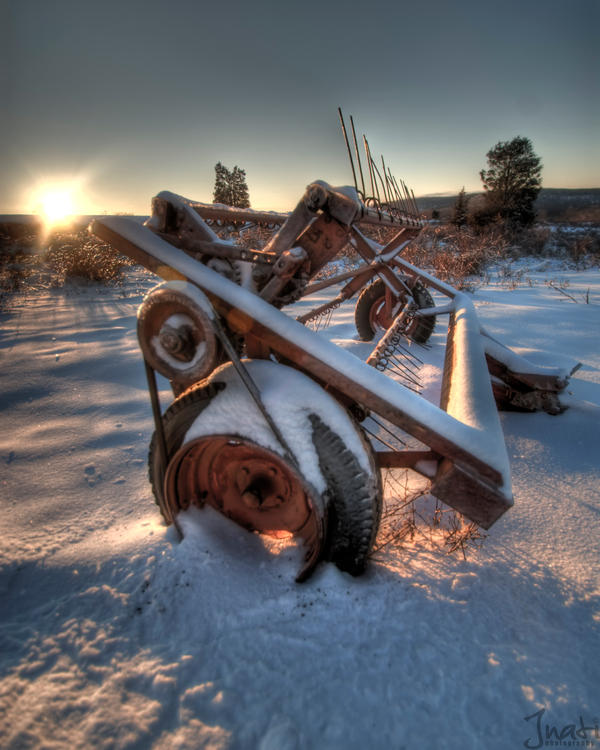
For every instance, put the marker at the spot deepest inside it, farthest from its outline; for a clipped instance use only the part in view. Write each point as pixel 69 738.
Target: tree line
pixel 511 183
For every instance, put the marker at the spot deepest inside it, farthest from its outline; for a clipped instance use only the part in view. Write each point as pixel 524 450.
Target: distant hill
pixel 553 204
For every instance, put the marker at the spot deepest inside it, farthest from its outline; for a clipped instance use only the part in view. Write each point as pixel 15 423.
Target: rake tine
pixel 373 170
pixel 381 440
pixel 415 202
pixel 407 196
pixel 369 163
pixel 402 201
pixel 405 371
pixel 398 205
pixel 362 180
pixel 387 182
pixel 347 146
pixel 385 185
pixel 383 427
pixel 380 179
pixel 410 354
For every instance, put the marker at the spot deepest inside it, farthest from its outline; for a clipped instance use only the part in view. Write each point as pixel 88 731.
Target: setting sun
pixel 56 205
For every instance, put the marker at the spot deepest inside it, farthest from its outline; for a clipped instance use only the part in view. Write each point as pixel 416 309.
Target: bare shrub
pixel 457 255
pixel 534 240
pixel 17 264
pixel 582 247
pixel 79 256
pixel 414 516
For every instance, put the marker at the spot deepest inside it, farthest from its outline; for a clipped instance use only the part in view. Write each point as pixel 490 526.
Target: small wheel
pixel 176 334
pixel 220 451
pixel 374 312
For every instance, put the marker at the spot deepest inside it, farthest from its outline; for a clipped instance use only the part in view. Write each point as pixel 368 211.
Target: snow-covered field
pixel 113 635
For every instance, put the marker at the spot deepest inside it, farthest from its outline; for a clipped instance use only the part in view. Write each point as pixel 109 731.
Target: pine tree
pixel 241 197
pixel 461 210
pixel 222 191
pixel 230 187
pixel 512 181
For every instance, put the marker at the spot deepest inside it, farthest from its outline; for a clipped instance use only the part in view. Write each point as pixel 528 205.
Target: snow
pixel 289 397
pixel 113 635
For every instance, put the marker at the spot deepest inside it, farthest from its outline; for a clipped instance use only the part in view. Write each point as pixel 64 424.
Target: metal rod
pixel 408 201
pixel 159 431
pixel 410 374
pixel 388 187
pixel 380 179
pixel 401 198
pixel 371 166
pixel 381 440
pixel 362 180
pixel 347 146
pixel 397 195
pixel 252 389
pixel 409 353
pixel 415 202
pixel 383 427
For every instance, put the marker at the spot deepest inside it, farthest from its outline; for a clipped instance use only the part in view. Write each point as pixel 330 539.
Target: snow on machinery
pixel 281 430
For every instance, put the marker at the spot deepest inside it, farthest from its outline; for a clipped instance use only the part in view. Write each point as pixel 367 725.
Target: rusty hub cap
pixel 381 314
pixel 251 485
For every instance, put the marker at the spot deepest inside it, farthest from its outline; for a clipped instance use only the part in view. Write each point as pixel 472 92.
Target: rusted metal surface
pixel 250 484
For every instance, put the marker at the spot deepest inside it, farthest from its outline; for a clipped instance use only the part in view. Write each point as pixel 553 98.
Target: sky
pixel 117 100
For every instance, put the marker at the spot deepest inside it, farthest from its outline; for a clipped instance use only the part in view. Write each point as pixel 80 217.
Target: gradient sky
pixel 123 99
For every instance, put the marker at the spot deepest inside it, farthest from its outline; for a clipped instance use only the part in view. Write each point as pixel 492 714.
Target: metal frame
pixel 462 447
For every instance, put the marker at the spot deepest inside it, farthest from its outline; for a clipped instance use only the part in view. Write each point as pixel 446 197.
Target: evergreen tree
pixel 241 197
pixel 511 182
pixel 230 187
pixel 222 191
pixel 461 210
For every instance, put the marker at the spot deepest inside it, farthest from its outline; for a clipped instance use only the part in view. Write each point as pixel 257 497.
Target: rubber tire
pixel 353 497
pixel 421 329
pixel 354 501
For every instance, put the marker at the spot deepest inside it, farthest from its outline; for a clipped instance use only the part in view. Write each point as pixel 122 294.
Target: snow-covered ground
pixel 113 635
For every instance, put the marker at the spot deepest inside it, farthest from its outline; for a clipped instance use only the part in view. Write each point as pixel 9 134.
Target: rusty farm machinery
pixel 283 431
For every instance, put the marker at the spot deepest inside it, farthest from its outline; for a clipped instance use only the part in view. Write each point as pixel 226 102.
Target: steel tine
pixel 407 197
pixel 407 372
pixel 378 174
pixel 383 427
pixel 385 185
pixel 394 189
pixel 369 160
pixel 410 354
pixel 348 146
pixel 381 440
pixel 415 202
pixel 404 208
pixel 373 170
pixel 356 150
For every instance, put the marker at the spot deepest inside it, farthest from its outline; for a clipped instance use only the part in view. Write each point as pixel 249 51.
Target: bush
pixel 454 254
pixel 79 256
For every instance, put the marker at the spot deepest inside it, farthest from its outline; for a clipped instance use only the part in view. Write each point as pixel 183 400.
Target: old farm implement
pixel 283 431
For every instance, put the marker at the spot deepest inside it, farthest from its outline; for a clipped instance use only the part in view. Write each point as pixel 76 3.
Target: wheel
pixel 175 333
pixel 372 314
pixel 220 451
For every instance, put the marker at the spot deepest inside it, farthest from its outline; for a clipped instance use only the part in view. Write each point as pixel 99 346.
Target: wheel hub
pixel 249 484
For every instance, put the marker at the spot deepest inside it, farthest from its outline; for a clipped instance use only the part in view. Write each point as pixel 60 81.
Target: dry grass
pixel 412 516
pixel 457 255
pixel 77 255
pixel 28 263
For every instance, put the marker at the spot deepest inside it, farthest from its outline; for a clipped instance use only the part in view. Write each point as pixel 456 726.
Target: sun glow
pixel 57 202
pixel 56 206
